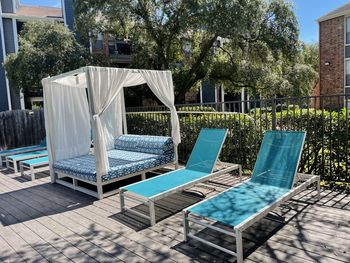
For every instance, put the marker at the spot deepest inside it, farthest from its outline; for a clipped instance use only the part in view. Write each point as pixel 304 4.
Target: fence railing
pixel 324 118
pixel 21 128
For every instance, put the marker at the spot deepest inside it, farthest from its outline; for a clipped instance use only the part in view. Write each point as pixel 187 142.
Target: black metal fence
pixel 324 118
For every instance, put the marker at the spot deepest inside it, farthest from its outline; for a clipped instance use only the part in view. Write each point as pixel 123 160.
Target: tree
pixel 45 49
pixel 260 49
pixel 257 69
pixel 182 36
pixel 302 74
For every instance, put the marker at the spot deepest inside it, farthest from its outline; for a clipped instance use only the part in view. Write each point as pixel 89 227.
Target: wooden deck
pixel 43 222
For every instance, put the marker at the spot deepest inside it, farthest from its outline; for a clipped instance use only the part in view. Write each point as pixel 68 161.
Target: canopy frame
pixel 100 99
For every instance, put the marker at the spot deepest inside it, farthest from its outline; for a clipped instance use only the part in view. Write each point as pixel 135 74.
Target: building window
pixel 347 59
pixel 347 30
pixel 347 72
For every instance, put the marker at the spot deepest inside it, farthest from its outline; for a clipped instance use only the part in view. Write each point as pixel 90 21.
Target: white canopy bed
pixel 91 100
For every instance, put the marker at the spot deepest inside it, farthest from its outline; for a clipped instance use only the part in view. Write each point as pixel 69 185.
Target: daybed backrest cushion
pixel 160 145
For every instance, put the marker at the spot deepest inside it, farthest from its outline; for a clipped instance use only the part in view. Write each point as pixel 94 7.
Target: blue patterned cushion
pixel 159 145
pixel 127 142
pixel 121 163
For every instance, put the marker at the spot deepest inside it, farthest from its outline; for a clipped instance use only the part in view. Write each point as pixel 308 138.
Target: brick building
pixel 334 48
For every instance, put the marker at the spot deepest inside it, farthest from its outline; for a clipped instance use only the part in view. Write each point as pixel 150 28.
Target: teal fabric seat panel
pixel 278 158
pixel 19 150
pixel 25 149
pixel 26 155
pixel 206 150
pixel 239 203
pixel 201 163
pixel 164 183
pixel 36 161
pixel 273 176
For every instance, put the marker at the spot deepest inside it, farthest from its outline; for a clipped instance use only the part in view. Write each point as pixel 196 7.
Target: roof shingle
pixel 340 11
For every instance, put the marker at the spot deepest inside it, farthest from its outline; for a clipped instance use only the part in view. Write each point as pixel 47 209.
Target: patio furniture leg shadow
pixel 165 208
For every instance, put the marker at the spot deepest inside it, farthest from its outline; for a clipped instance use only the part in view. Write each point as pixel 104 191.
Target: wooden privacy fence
pixel 20 128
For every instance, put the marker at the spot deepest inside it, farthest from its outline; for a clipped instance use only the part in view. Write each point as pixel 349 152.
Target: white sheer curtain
pixel 161 83
pixel 104 85
pixel 67 116
pixel 67 121
pixel 112 121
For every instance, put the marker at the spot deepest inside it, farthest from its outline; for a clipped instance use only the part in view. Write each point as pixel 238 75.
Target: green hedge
pixel 326 151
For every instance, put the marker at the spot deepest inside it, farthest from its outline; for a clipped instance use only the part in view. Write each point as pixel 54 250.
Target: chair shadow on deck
pixel 35 201
pixel 40 174
pixel 165 208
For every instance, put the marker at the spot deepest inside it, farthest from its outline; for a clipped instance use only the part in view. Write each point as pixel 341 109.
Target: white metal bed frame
pixel 237 230
pixel 99 184
pixel 150 201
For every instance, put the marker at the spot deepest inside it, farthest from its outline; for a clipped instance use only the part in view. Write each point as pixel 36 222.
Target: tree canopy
pixel 259 48
pixel 45 49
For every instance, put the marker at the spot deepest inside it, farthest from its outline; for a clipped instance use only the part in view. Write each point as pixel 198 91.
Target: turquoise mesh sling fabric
pixel 201 163
pixel 273 177
pixel 206 150
pixel 278 158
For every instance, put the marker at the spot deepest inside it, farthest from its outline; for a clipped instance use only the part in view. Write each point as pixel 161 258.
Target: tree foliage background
pixel 242 43
pixel 45 49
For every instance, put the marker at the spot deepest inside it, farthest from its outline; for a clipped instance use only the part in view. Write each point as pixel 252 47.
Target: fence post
pixel 169 124
pixel 273 114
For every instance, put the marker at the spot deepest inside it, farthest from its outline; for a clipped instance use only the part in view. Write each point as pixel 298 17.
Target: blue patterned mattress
pixel 121 163
pixel 133 153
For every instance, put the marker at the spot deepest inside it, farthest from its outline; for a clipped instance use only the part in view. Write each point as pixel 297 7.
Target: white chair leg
pixel 75 183
pixel 186 225
pixel 21 169
pixel 152 212
pixel 143 176
pixel 7 163
pixel 121 200
pixel 239 246
pixel 32 172
pixel 15 166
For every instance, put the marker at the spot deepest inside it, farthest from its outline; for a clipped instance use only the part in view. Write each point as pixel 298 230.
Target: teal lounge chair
pixel 199 168
pixel 13 160
pixel 32 165
pixel 271 184
pixel 5 153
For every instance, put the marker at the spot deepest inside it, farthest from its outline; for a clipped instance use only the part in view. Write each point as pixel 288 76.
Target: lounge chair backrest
pixel 206 150
pixel 160 145
pixel 278 158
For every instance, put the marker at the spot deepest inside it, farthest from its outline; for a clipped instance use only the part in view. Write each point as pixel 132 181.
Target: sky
pixel 307 12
